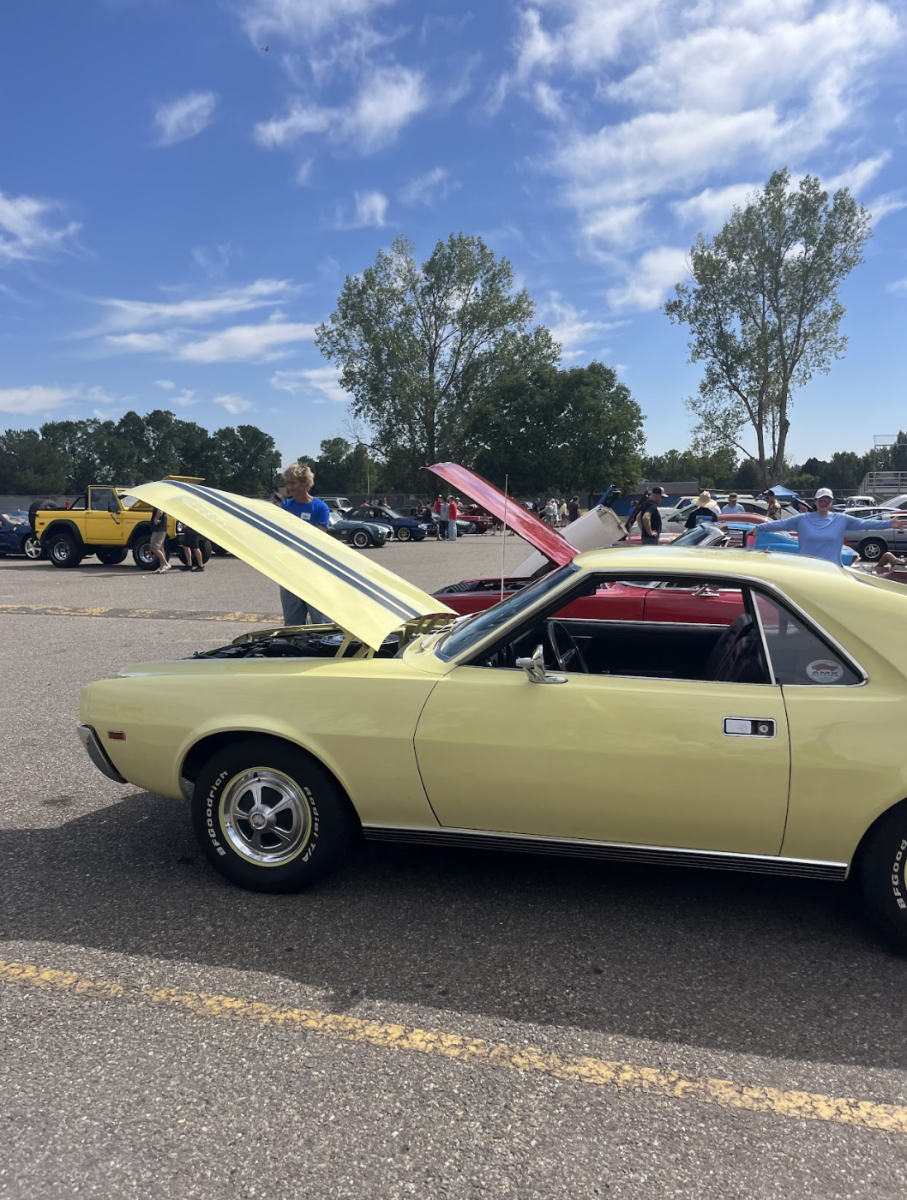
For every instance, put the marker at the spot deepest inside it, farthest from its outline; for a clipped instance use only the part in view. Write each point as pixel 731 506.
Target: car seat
pixel 737 655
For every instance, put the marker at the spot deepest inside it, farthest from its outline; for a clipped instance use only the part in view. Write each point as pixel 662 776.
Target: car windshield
pixel 472 631
pixel 391 512
pixel 700 535
pixel 15 518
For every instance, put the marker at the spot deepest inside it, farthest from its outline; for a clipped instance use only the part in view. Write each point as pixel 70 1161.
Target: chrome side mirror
pixel 534 666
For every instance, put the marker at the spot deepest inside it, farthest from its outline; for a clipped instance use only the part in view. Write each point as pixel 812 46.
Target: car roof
pixel 781 569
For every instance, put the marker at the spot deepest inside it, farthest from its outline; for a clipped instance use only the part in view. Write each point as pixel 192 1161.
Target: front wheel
pixel 63 551
pixel 144 557
pixel 882 873
pixel 31 548
pixel 404 534
pixel 360 539
pixel 872 549
pixel 268 817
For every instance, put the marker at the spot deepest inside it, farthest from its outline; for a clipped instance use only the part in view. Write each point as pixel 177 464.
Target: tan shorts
pixel 157 539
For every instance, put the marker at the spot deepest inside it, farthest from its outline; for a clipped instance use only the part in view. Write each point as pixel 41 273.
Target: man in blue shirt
pixel 821 533
pixel 301 503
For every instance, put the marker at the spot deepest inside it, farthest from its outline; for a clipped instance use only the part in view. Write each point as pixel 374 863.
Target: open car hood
pixel 597 529
pixel 545 539
pixel 364 599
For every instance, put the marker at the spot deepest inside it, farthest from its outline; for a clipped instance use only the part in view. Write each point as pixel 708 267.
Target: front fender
pixel 357 717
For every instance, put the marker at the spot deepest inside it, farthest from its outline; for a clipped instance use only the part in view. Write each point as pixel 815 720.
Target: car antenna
pixel 504 534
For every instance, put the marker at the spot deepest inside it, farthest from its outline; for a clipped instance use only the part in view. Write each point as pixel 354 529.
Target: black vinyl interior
pixel 726 654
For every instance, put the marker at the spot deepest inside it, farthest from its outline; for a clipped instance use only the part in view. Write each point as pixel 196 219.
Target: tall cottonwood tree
pixel 763 311
pixel 417 344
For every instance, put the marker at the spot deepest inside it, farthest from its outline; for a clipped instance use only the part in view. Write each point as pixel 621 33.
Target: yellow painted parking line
pixel 153 614
pixel 582 1069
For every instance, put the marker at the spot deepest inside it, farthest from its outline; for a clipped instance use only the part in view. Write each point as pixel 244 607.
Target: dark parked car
pixel 17 536
pixel 405 529
pixel 361 534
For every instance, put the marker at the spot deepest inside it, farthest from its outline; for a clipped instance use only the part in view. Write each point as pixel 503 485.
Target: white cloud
pixel 129 314
pixel 28 401
pixel 234 403
pixel 167 384
pixel 388 100
pixel 184 118
pixel 650 279
pixel 247 343
pixel 302 176
pixel 300 20
pixel 428 189
pixel 568 326
pixel 142 343
pixel 25 232
pixel 885 205
pixel 369 212
pixel 898 288
pixel 671 98
pixel 712 206
pixel 857 176
pixel 320 379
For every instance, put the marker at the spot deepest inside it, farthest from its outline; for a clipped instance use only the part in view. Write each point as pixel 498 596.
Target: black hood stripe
pixel 293 542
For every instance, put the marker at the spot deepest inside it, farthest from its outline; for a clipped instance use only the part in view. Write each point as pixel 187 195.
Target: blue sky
pixel 179 207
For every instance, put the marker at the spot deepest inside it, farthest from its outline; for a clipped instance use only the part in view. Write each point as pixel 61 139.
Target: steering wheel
pixel 566 651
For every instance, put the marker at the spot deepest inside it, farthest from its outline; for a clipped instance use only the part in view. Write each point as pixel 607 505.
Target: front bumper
pixel 97 754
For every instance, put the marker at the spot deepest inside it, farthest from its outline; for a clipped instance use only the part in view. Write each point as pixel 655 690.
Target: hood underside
pixel 362 598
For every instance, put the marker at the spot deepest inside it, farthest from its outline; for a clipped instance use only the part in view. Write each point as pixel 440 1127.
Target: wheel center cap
pixel 258 820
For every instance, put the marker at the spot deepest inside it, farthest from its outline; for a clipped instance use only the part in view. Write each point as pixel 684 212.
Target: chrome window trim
pixel 721 860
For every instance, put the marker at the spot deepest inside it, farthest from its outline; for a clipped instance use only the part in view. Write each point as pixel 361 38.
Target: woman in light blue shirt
pixel 821 533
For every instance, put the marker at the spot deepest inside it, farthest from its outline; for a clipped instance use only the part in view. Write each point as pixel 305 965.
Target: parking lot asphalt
pixel 425 1022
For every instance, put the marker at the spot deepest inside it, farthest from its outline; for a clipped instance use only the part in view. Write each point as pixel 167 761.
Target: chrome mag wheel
pixel 266 817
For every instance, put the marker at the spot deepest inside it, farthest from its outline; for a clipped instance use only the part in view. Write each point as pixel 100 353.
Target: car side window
pixel 798 655
pixel 101 499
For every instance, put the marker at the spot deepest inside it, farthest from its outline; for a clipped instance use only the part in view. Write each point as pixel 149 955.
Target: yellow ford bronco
pixel 109 522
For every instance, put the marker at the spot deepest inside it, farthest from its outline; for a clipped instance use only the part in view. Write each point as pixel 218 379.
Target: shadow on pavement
pixel 733 962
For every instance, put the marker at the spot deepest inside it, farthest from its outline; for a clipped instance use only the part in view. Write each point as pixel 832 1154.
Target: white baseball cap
pixel 825 492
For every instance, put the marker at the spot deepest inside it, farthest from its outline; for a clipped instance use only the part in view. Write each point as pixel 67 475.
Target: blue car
pixel 16 536
pixel 406 529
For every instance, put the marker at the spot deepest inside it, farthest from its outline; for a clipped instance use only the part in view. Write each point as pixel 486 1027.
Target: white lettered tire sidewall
pixel 883 873
pixel 331 820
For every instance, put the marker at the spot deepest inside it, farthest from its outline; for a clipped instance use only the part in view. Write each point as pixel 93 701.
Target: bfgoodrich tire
pixel 269 818
pixel 882 873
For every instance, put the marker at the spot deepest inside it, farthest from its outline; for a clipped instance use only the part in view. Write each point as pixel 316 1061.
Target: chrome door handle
pixel 752 727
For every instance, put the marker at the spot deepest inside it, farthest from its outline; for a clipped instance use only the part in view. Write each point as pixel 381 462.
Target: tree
pixel 417 346
pixel 709 470
pixel 763 311
pixel 28 466
pixel 558 431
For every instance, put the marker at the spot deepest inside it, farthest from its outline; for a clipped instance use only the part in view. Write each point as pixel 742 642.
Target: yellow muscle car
pixel 775 743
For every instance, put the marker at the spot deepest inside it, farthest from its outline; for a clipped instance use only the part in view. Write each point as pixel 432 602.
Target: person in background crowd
pixel 702 511
pixel 301 503
pixel 562 513
pixel 821 533
pixel 732 506
pixel 158 537
pixel 773 511
pixel 384 502
pixel 649 517
pixel 420 511
pixel 573 509
pixel 452 518
pixel 191 549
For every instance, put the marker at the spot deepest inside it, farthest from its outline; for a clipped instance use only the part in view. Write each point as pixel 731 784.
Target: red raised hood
pixel 545 539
